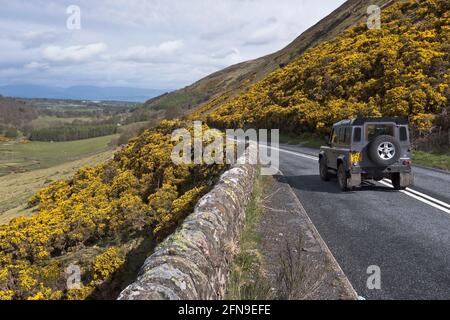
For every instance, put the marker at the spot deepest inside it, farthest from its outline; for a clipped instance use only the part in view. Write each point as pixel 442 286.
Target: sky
pixel 154 44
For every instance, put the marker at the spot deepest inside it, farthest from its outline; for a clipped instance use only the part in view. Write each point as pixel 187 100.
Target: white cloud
pixel 144 43
pixel 73 53
pixel 36 65
pixel 163 50
pixel 35 38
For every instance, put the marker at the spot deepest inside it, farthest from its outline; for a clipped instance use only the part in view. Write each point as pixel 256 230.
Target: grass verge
pixel 434 160
pixel 247 280
pixel 305 140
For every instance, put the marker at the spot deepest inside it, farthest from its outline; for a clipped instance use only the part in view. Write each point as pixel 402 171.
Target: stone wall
pixel 193 263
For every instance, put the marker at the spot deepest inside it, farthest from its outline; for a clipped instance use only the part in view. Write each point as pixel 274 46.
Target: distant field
pixel 16 157
pixel 51 121
pixel 16 189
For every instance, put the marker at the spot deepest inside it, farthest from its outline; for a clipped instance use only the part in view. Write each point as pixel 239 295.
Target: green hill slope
pixel 234 79
pixel 401 69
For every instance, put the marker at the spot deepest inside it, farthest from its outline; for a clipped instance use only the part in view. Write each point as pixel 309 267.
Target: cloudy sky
pixel 160 44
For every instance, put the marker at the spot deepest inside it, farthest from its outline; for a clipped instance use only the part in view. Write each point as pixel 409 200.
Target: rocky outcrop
pixel 193 263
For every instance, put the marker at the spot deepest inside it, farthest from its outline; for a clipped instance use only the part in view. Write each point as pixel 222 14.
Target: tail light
pixel 407 163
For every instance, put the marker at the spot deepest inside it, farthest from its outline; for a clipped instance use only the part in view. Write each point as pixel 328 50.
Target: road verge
pixel 297 262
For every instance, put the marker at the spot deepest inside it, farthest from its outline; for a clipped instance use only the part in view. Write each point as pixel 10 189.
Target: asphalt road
pixel 405 234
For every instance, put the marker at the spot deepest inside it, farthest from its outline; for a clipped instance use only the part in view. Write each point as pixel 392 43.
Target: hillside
pixel 400 70
pixel 104 219
pixel 236 78
pixel 16 189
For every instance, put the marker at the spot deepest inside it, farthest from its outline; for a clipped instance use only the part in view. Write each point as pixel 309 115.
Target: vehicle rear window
pixel 376 130
pixel 403 134
pixel 357 135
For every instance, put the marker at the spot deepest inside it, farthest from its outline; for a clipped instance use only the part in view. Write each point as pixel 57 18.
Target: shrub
pixel 108 205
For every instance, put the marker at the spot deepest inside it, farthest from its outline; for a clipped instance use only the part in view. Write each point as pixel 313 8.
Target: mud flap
pixel 406 180
pixel 354 181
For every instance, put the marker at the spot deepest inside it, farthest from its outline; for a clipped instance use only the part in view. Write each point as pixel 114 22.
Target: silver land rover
pixel 368 149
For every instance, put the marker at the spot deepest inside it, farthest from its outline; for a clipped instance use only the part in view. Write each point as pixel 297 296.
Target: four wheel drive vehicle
pixel 368 149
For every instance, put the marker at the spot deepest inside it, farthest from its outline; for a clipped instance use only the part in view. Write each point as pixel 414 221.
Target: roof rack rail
pixel 397 120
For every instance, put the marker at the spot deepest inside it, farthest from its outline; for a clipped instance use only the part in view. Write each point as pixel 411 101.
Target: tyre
pixel 342 178
pixel 323 168
pixel 395 178
pixel 384 150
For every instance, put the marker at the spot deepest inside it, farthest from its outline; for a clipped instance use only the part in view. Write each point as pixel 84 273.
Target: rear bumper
pixel 406 178
pixel 376 172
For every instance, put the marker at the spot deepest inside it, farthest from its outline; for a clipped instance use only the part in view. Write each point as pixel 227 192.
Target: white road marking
pixel 420 194
pixel 435 203
pixel 307 156
pixel 432 203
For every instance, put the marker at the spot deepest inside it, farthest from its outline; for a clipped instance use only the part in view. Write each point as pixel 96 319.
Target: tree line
pixel 8 132
pixel 72 132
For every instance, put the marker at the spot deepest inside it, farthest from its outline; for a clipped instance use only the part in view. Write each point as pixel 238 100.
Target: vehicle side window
pixel 341 138
pixel 348 134
pixel 357 135
pixel 403 134
pixel 334 137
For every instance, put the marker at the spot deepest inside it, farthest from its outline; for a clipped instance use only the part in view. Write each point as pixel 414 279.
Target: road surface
pixel 405 234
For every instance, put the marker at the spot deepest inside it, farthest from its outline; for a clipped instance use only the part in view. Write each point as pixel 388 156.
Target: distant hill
pixel 229 82
pixel 81 93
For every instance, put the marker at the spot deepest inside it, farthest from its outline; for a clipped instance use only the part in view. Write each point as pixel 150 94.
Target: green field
pixel 16 157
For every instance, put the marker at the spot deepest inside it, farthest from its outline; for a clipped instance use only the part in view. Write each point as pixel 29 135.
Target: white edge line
pixel 429 198
pixel 296 153
pixel 412 195
pixel 420 194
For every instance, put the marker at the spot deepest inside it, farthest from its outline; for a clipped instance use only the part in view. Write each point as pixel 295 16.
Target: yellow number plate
pixel 356 157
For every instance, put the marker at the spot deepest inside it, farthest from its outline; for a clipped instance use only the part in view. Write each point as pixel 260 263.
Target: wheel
pixel 395 178
pixel 384 150
pixel 323 168
pixel 342 178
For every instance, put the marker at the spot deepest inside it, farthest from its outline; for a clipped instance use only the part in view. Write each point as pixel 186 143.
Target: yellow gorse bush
pixel 106 264
pixel 140 191
pixel 398 70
